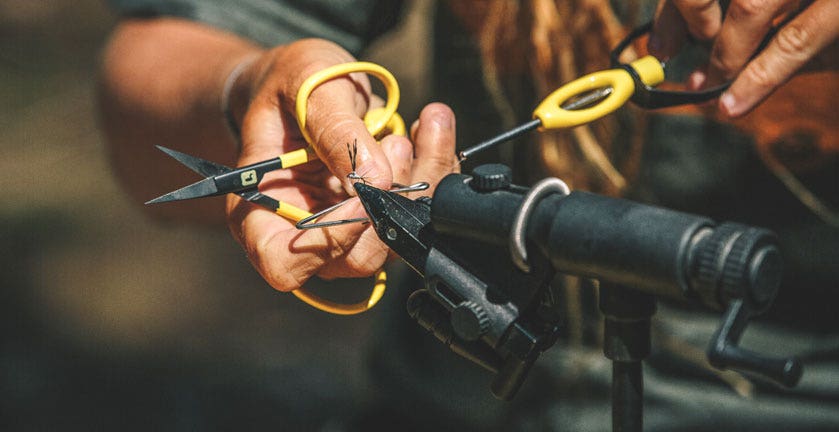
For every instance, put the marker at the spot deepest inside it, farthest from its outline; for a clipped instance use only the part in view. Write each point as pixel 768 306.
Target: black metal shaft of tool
pixel 512 133
pixel 579 102
pixel 626 342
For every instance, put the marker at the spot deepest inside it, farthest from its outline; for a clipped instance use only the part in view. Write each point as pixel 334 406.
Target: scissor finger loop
pixel 620 82
pixel 377 122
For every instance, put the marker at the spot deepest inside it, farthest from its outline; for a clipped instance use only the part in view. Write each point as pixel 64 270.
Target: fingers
pixel 334 120
pixel 400 153
pixel 283 255
pixel 739 36
pixel 701 18
pixel 434 141
pixel 367 253
pixel 333 129
pixel 286 257
pixel 334 109
pixel 794 45
pixel 669 31
pixel 431 157
pixel 746 24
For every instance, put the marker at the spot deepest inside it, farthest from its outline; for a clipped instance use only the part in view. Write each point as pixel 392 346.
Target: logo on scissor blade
pixel 249 178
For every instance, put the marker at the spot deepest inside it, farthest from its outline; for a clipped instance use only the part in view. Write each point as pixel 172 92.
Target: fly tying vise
pixel 244 181
pixel 579 102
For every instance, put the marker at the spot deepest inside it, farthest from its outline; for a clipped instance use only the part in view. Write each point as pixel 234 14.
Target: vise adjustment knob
pixel 469 320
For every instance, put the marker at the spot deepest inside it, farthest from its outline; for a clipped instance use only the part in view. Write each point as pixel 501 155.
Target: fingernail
pixel 697 80
pixel 729 104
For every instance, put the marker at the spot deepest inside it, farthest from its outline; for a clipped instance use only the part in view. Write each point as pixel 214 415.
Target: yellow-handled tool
pixel 244 181
pixel 600 93
pixel 552 114
pixel 584 100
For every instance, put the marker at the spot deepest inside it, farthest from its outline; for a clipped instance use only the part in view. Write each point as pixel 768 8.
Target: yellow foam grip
pixel 297 157
pixel 553 116
pixel 291 212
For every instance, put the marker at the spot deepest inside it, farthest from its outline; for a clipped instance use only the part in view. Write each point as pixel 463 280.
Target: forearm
pixel 161 84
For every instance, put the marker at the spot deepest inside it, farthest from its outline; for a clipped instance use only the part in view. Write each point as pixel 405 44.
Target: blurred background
pixel 113 321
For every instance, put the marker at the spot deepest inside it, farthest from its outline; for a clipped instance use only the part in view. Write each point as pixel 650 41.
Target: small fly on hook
pixel 353 152
pixel 309 222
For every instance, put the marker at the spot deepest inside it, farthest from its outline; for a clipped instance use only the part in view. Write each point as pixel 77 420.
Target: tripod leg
pixel 627 396
pixel 626 342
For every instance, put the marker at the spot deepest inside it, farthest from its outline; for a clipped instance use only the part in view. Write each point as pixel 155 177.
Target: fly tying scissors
pixel 248 177
pixel 244 181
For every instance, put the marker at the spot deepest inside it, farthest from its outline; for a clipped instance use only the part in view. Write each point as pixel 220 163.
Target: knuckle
pixel 699 6
pixel 701 17
pixel 793 40
pixel 332 139
pixel 340 248
pixel 371 258
pixel 358 266
pixel 304 71
pixel 287 280
pixel 285 277
pixel 304 58
pixel 726 64
pixel 277 271
pixel 284 280
pixel 314 66
pixel 703 32
pixel 747 8
pixel 759 74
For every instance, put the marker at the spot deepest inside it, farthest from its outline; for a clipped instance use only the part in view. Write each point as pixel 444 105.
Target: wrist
pixel 236 93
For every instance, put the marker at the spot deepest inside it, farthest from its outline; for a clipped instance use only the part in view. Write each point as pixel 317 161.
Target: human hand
pixel 738 36
pixel 287 257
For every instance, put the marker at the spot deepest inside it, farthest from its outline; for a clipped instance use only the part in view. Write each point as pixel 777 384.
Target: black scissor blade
pixel 199 189
pixel 202 188
pixel 201 166
pixel 402 224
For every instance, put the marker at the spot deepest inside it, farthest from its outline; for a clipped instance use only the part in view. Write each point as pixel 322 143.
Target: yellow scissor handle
pixel 294 213
pixel 553 116
pixel 377 122
pixel 394 126
pixel 346 309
